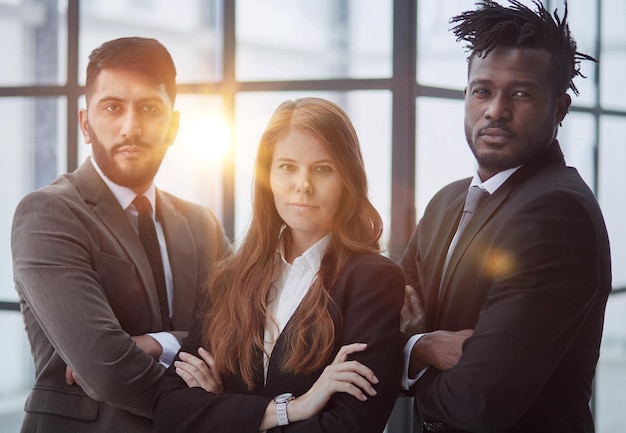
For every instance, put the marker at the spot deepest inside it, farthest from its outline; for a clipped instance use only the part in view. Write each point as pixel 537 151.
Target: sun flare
pixel 205 139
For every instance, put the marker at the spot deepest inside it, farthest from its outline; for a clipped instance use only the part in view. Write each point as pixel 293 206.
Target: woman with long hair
pixel 301 326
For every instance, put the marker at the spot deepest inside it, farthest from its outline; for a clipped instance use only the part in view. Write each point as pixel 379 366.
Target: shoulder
pixel 559 190
pixel 60 194
pixel 193 212
pixel 371 270
pixel 370 280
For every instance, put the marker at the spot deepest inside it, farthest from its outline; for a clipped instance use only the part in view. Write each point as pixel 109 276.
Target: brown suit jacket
pixel 85 286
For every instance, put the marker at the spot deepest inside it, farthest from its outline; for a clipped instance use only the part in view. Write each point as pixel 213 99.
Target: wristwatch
pixel 281 402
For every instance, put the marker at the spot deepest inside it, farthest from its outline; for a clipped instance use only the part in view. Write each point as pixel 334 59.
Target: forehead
pixel 509 63
pixel 298 143
pixel 127 85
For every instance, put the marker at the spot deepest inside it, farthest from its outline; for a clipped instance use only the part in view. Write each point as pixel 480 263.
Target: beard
pixel 139 175
pixel 525 150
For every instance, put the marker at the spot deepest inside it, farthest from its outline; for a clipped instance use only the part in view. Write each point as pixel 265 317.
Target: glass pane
pixel 441 61
pixel 370 113
pixel 582 16
pixel 612 190
pixel 16 377
pixel 34 158
pixel 442 152
pixel 613 54
pixel 302 39
pixel 577 138
pixel 192 168
pixel 189 29
pixel 610 379
pixel 34 41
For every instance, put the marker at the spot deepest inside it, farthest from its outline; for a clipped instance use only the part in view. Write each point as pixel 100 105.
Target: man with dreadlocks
pixel 513 301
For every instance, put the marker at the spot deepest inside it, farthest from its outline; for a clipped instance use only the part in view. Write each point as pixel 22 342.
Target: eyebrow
pixel 320 161
pixel 124 100
pixel 518 83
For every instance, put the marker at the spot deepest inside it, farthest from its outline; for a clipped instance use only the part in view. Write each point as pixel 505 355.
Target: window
pixel 392 64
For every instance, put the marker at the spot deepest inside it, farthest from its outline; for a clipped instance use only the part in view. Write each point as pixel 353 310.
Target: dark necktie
pixel 475 197
pixel 148 237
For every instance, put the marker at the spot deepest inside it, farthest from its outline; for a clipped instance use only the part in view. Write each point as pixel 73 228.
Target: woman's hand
pixel 342 375
pixel 198 372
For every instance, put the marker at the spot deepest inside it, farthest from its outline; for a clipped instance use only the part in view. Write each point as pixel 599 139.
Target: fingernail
pixel 375 379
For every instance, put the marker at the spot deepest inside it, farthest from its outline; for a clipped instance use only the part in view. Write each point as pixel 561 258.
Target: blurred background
pixel 392 64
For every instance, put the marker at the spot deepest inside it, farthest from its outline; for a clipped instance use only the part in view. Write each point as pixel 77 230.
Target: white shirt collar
pixel 313 255
pixel 124 195
pixel 494 182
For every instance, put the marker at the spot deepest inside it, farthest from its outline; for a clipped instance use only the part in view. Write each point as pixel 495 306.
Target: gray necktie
pixel 475 197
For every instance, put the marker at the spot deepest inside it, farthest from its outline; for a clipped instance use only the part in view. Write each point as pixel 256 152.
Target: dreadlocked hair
pixel 518 26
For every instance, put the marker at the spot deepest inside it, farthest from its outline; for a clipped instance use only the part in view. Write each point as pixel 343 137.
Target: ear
pixel 172 130
pixel 562 106
pixel 84 125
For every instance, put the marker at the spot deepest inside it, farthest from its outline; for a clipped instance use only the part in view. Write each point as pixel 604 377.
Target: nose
pixel 303 184
pixel 131 126
pixel 498 108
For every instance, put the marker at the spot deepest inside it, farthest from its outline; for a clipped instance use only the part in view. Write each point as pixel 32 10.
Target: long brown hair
pixel 239 289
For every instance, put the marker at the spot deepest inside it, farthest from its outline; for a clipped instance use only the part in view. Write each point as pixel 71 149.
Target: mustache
pixel 496 125
pixel 131 142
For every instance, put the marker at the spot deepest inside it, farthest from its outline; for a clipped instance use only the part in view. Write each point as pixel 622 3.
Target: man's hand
pixel 413 319
pixel 149 345
pixel 440 349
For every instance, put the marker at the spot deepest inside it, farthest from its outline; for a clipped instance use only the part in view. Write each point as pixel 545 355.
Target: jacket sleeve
pixel 55 272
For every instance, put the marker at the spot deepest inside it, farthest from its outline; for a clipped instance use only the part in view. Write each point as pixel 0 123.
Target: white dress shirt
pixel 288 290
pixel 490 185
pixel 125 197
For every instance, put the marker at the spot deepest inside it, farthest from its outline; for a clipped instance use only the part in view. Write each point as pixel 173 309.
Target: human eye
pixel 521 94
pixel 112 108
pixel 149 108
pixel 324 168
pixel 286 167
pixel 480 91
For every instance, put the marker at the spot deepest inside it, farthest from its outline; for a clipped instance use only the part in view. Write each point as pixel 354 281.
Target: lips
pixel 495 132
pixel 494 135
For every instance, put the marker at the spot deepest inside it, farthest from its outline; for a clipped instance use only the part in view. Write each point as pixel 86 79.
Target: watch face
pixel 283 397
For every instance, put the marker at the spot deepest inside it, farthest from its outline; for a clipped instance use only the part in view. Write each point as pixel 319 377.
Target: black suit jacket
pixel 367 299
pixel 531 275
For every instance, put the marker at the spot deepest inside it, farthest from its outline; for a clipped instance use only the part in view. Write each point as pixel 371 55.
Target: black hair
pixel 144 55
pixel 518 26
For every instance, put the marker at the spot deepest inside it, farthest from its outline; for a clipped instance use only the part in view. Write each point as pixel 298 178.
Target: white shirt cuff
pixel 170 346
pixel 408 382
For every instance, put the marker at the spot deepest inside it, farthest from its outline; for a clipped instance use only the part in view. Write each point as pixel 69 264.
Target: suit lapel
pixel 552 156
pixel 182 258
pixel 105 207
pixel 447 228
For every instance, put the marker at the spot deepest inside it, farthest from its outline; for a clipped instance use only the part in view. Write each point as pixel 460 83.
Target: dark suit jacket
pixel 531 275
pixel 85 286
pixel 368 297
